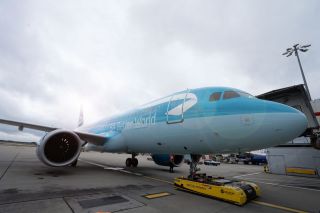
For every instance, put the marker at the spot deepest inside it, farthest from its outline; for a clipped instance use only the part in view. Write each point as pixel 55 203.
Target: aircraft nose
pixel 299 122
pixel 289 122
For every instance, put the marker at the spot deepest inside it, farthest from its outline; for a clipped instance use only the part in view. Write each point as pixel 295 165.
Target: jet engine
pixel 315 142
pixel 165 159
pixel 59 148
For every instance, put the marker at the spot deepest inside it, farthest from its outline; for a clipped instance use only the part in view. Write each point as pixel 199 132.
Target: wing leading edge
pixel 95 139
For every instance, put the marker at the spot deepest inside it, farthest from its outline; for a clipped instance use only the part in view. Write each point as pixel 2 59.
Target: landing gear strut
pixel 193 165
pixel 133 161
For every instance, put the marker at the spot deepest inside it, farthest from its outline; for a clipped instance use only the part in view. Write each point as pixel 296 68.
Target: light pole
pixel 295 50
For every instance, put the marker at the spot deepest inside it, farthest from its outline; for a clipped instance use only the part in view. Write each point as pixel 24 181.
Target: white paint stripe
pixel 273 184
pixel 112 168
pixel 247 174
pixel 286 186
pixel 92 163
pixel 138 174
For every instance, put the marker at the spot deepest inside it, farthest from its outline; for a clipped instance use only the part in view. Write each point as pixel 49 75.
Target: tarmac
pixel 101 183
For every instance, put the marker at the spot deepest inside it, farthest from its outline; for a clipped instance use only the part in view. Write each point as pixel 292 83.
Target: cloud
pixel 111 56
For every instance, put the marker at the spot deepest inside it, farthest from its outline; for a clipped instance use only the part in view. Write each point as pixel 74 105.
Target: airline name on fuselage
pixel 141 121
pixel 149 119
pixel 137 122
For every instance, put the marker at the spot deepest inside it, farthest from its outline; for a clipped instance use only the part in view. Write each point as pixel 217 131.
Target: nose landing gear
pixel 132 162
pixel 193 165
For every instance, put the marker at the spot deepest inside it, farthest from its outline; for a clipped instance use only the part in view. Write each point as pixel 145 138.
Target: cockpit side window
pixel 215 96
pixel 230 94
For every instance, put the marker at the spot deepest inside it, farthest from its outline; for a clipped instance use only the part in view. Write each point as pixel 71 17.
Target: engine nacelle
pixel 59 148
pixel 165 159
pixel 315 142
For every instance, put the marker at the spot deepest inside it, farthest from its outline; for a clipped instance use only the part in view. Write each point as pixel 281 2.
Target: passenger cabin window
pixel 230 94
pixel 215 96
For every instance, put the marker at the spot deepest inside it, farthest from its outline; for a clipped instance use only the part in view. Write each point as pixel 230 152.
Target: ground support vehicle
pixel 237 192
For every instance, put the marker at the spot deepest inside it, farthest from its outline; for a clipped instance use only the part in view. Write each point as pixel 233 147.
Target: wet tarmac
pixel 101 183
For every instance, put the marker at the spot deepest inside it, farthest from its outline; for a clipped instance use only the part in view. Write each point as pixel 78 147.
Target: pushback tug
pixel 237 192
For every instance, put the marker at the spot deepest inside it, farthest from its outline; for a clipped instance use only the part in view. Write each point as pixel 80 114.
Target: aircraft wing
pixel 95 139
pixel 88 137
pixel 22 125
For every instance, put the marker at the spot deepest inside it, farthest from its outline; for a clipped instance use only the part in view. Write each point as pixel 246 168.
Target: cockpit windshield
pixel 236 94
pixel 215 96
pixel 244 94
pixel 228 95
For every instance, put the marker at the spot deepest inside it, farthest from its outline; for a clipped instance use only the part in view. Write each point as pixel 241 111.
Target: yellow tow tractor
pixel 237 192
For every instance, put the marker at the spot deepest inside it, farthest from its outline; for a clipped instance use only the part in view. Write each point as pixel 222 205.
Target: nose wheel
pixel 132 162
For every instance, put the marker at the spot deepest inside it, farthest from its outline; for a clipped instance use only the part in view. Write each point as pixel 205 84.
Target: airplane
pixel 194 121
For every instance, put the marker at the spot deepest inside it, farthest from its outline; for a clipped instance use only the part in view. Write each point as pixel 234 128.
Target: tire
pixel 134 162
pixel 128 162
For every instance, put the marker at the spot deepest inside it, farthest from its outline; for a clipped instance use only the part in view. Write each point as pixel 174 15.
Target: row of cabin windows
pixel 228 95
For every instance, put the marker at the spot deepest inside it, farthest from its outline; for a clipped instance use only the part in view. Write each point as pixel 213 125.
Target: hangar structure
pixel 302 155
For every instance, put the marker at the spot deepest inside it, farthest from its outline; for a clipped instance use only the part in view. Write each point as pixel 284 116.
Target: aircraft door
pixel 175 108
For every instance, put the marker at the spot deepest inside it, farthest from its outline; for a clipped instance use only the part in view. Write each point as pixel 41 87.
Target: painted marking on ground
pixel 258 180
pixel 95 164
pixel 253 201
pixel 112 168
pixel 10 164
pixel 157 195
pixel 125 171
pixel 157 179
pixel 247 174
pixel 276 184
pixel 278 207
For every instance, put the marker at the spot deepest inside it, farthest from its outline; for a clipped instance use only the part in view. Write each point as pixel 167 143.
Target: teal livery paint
pixel 200 121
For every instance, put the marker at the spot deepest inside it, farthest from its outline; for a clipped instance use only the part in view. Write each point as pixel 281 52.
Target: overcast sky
pixel 111 56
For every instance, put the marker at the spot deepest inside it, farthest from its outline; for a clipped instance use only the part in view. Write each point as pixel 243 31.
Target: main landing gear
pixel 132 162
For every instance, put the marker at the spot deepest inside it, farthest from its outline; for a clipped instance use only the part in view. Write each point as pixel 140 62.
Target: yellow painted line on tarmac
pixel 157 195
pixel 278 207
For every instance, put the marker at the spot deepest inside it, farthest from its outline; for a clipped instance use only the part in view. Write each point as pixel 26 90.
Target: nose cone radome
pixel 289 123
pixel 298 123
